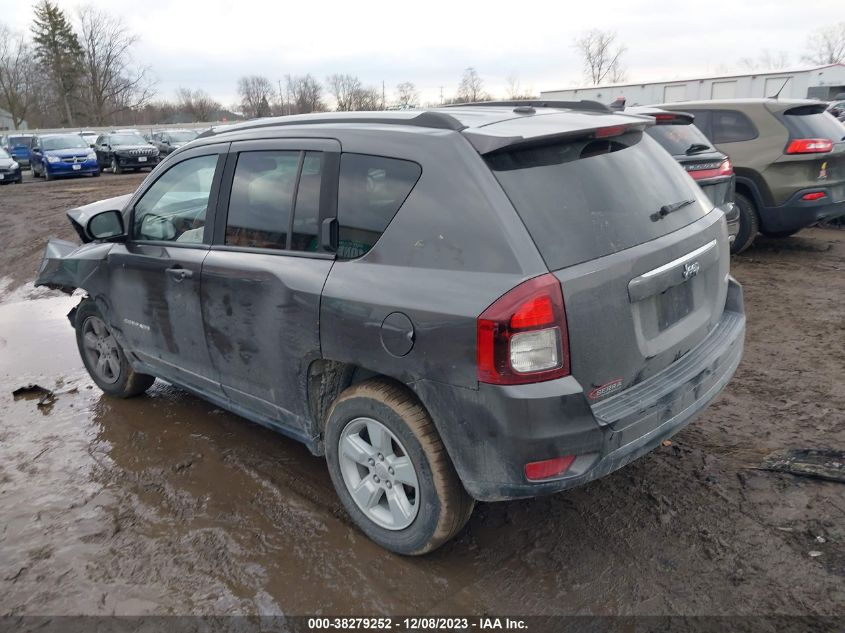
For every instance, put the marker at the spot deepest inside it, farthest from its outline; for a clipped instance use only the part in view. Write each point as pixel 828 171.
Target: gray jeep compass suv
pixel 483 302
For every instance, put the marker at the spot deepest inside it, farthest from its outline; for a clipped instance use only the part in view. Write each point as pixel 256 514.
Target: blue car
pixel 18 147
pixel 63 155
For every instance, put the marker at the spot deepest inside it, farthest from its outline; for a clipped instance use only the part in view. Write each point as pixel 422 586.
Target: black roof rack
pixel 591 106
pixel 436 120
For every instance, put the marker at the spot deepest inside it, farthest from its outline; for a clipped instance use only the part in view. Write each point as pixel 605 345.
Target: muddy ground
pixel 165 504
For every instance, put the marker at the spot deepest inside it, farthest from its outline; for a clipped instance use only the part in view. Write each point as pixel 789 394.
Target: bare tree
pixel 515 90
pixel 471 88
pixel 305 93
pixel 349 94
pixel 407 95
pixel 255 92
pixel 111 81
pixel 766 60
pixel 345 90
pixel 18 75
pixel 602 56
pixel 196 103
pixel 826 45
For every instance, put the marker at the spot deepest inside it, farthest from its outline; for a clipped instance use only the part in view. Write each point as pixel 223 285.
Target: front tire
pixel 46 173
pixel 103 357
pixel 749 224
pixel 115 167
pixel 391 470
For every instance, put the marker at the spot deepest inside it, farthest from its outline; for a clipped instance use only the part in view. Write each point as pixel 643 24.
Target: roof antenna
pixel 777 94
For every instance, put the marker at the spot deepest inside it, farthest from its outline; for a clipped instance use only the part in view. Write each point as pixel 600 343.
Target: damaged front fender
pixel 67 266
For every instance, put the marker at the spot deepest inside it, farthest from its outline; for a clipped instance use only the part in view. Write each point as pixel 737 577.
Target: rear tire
pixel 373 426
pixel 103 357
pixel 749 224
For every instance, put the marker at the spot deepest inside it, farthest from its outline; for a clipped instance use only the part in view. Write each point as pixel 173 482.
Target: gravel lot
pixel 164 504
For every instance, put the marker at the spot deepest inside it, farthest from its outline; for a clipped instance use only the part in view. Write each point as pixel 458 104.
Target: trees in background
pixel 826 45
pixel 601 55
pixel 407 95
pixel 350 94
pixel 471 87
pixel 196 103
pixel 256 92
pixel 112 82
pixel 304 95
pixel 58 53
pixel 19 77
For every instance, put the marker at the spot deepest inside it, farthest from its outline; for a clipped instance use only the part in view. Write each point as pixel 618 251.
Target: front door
pixel 157 275
pixel 264 275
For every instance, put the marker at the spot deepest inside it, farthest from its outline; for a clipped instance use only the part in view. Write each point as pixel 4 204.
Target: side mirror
pixel 106 225
pixel 329 234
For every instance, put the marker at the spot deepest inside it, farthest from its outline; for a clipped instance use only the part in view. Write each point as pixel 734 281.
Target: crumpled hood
pixel 80 215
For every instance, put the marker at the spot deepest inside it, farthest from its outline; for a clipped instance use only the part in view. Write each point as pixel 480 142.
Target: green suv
pixel 789 159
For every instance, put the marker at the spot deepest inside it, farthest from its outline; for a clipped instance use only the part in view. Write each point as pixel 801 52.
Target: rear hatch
pixel 709 167
pixel 642 262
pixel 814 155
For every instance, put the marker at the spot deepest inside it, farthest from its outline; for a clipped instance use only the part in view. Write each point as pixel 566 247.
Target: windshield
pixel 590 198
pixel 71 141
pixel 3 153
pixel 127 139
pixel 20 141
pixel 678 140
pixel 811 122
pixel 182 137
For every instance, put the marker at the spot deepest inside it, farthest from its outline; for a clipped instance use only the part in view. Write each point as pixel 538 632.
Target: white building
pixel 822 82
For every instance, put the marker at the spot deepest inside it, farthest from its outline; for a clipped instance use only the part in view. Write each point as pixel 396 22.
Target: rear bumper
pixel 796 213
pixel 492 432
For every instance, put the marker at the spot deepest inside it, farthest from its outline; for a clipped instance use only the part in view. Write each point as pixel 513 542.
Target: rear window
pixel 588 199
pixel 813 122
pixel 20 141
pixel 680 140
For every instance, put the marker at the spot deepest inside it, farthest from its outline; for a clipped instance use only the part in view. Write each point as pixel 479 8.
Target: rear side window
pixel 680 140
pixel 813 122
pixel 731 126
pixel 370 192
pixel 588 199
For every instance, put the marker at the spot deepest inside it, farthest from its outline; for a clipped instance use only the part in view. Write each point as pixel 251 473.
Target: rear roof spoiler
pixel 488 144
pixel 584 104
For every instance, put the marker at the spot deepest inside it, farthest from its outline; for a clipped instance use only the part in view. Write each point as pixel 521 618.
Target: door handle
pixel 178 274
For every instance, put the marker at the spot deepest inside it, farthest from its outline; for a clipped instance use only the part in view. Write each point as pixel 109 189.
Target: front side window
pixel 174 208
pixel 370 192
pixel 731 126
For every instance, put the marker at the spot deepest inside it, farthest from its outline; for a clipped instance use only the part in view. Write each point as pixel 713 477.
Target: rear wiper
pixel 697 148
pixel 666 209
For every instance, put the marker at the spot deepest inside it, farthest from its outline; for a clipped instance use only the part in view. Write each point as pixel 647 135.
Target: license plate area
pixel 142 159
pixel 77 167
pixel 674 304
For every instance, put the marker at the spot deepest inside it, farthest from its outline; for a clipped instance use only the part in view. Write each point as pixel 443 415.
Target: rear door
pixel 156 275
pixel 263 278
pixel 642 262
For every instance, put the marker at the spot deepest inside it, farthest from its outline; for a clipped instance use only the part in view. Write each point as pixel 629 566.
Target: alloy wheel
pixel 379 474
pixel 101 350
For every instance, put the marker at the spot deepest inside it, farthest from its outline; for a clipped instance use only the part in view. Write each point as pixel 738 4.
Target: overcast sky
pixel 210 44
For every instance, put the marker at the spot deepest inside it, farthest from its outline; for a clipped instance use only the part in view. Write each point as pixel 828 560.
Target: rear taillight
pixel 522 337
pixel 809 146
pixel 724 169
